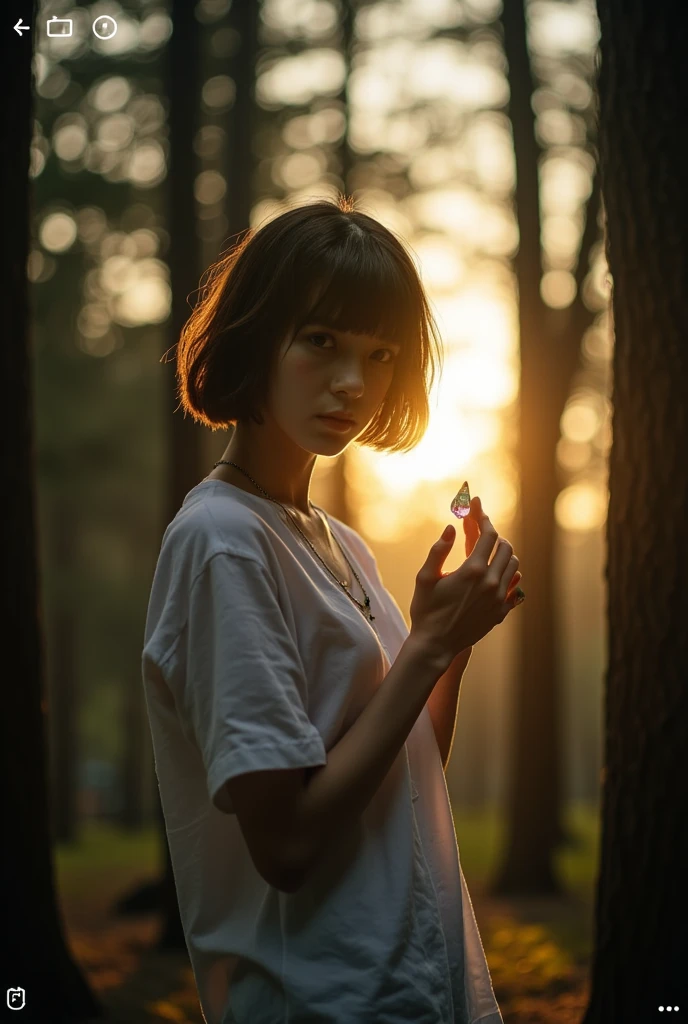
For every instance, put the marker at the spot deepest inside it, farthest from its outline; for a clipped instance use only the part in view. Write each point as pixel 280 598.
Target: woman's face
pixel 324 370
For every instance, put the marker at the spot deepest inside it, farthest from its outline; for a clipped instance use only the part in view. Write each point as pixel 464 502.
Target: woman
pixel 309 826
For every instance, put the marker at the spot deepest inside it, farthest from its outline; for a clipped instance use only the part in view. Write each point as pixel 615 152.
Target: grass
pixel 481 837
pixel 103 846
pixel 106 861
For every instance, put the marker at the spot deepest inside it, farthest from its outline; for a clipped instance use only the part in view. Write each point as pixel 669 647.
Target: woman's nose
pixel 349 376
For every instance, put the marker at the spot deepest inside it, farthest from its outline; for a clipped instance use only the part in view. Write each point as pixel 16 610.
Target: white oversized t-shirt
pixel 255 658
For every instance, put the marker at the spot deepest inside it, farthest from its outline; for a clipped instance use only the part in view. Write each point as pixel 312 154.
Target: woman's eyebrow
pixel 337 330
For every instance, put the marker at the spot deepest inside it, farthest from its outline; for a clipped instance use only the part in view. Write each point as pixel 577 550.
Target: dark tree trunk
pixel 534 776
pixel 184 89
pixel 243 20
pixel 63 680
pixel 185 436
pixel 549 345
pixel 36 957
pixel 640 941
pixel 339 501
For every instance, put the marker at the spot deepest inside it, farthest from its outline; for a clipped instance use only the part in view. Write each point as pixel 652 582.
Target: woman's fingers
pixel 472 532
pixel 471 529
pixel 487 539
pixel 512 586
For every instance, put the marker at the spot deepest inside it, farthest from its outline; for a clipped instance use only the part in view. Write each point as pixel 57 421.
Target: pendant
pixel 461 503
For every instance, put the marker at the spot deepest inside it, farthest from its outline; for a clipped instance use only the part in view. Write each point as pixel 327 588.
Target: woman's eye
pixel 311 336
pixel 390 352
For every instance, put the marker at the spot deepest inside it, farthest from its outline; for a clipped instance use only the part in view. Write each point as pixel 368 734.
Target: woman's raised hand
pixel 452 611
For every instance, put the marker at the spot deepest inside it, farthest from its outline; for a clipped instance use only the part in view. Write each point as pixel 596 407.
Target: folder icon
pixel 60 27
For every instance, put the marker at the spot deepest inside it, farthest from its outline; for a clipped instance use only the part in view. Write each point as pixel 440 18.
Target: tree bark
pixel 63 686
pixel 36 957
pixel 185 437
pixel 533 806
pixel 549 346
pixel 339 495
pixel 639 953
pixel 243 20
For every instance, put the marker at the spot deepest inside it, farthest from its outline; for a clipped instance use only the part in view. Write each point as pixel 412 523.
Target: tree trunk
pixel 243 20
pixel 63 688
pixel 339 501
pixel 185 437
pixel 549 345
pixel 639 955
pixel 534 792
pixel 36 963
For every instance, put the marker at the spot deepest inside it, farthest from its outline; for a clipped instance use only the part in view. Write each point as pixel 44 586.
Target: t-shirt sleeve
pixel 244 695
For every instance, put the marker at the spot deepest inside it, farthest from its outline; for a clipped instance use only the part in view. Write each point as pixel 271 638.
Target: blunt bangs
pixel 361 288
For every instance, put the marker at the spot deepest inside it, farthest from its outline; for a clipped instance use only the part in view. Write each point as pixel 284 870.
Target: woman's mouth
pixel 336 424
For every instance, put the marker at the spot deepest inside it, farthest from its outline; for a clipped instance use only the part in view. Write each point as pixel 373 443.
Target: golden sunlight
pixel 581 507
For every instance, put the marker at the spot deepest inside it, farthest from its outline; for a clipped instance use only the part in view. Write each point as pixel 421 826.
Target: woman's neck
pixel 229 474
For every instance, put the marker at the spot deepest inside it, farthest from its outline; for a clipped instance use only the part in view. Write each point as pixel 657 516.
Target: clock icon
pixel 104 27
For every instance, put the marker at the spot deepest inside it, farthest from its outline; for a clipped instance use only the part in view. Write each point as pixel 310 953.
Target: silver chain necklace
pixel 365 608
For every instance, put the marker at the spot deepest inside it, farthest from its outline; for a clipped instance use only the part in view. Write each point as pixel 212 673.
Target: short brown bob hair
pixel 325 263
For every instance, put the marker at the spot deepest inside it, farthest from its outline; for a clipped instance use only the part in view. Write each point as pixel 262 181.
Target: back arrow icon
pixel 19 28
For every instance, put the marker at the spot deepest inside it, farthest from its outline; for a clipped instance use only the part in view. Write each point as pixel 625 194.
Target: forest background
pixel 434 160
pixel 418 110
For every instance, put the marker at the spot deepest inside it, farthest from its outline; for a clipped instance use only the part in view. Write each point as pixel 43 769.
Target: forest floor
pixel 537 950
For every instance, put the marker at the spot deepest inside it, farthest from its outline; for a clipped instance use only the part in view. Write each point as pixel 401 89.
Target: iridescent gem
pixel 461 505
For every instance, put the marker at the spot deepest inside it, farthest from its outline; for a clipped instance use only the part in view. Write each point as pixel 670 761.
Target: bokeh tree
pixel 100 297
pixel 550 342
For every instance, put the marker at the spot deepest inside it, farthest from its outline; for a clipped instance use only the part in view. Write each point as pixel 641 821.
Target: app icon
pixel 60 28
pixel 104 27
pixel 15 998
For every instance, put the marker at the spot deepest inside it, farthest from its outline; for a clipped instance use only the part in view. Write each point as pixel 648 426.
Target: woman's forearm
pixel 337 794
pixel 443 704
